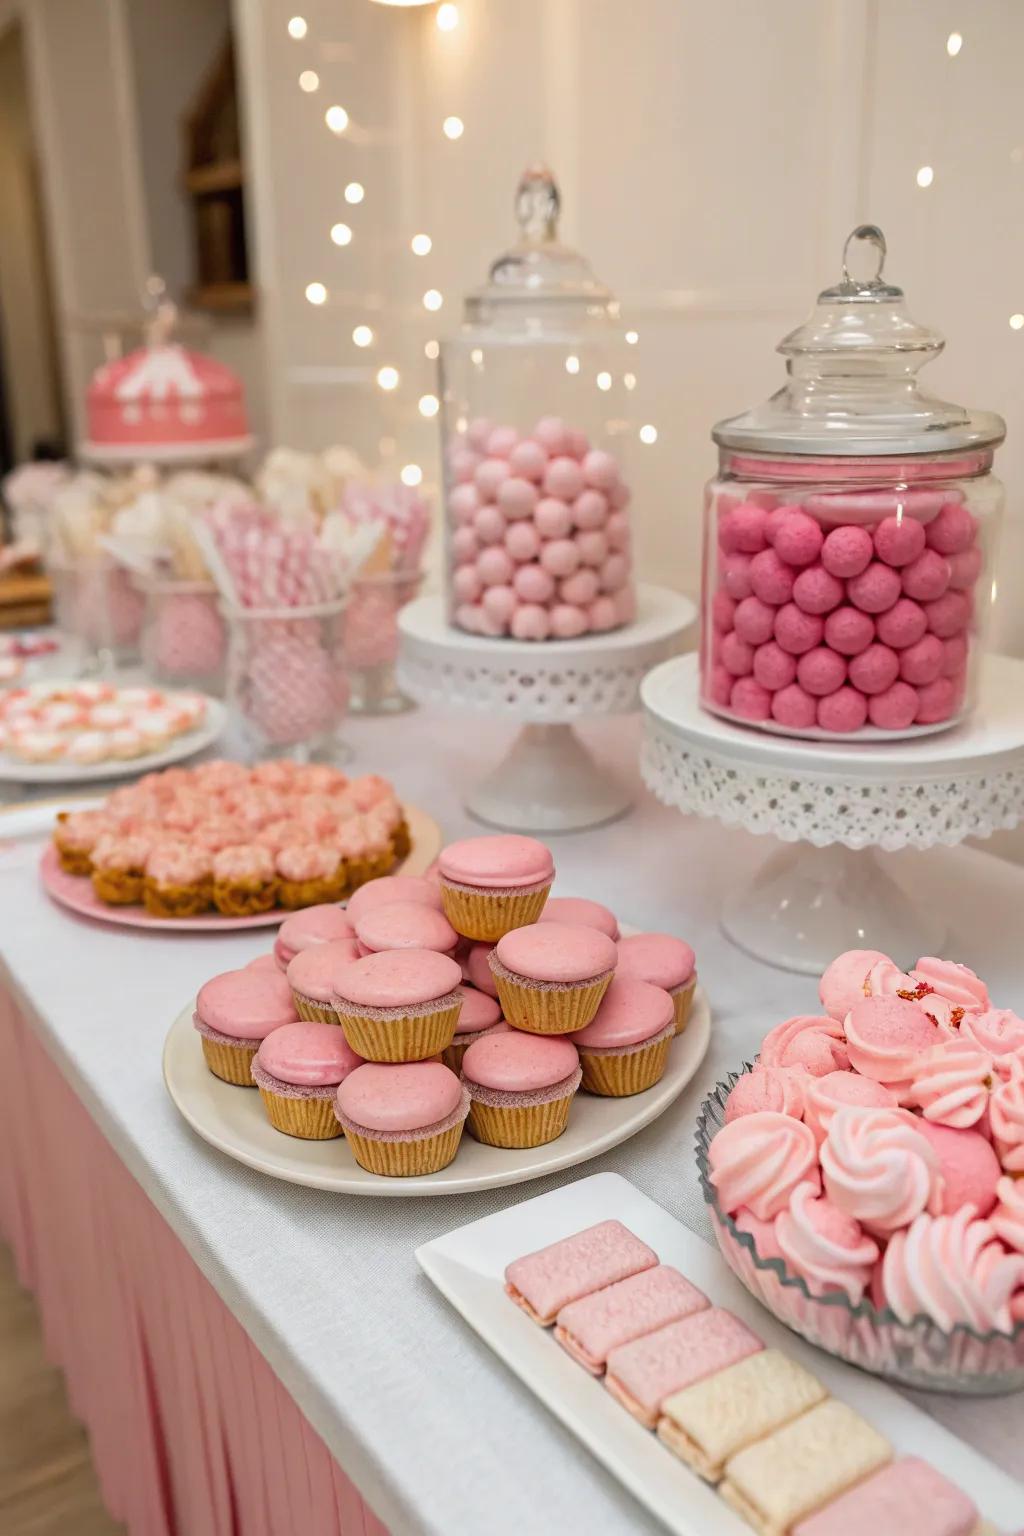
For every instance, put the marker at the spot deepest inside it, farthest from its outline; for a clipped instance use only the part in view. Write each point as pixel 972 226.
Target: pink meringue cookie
pixel 957 983
pixel 842 1090
pixel 885 1036
pixel 878 1168
pixel 1007 1218
pixel 1006 1118
pixel 762 1232
pixel 759 1159
pixel 997 1030
pixel 825 1246
pixel 951 1269
pixel 776 1088
pixel 951 1083
pixel 968 1167
pixel 814 1043
pixel 885 979
pixel 842 982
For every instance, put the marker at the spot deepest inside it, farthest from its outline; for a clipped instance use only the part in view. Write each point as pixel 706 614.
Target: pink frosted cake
pixel 165 402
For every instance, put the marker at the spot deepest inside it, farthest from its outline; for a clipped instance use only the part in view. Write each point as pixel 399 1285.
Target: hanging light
pixel 309 80
pixel 316 293
pixel 336 119
pixel 453 127
pixel 387 377
pixel 354 192
pixel 411 474
pixel 341 234
pixel 429 405
pixel 362 336
pixel 297 27
pixel 447 18
pixel 421 245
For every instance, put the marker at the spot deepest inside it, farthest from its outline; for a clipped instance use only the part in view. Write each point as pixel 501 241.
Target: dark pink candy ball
pixel 927 577
pixel 952 531
pixel 771 578
pixel 965 568
pixel 743 529
pixel 816 590
pixel 798 539
pixel 937 700
pixel 735 575
pixel 723 611
pixel 843 711
pixel 898 540
pixel 750 700
pixel 719 686
pixel 875 589
pixel 754 621
pixel 894 709
pixel 921 663
pixel 948 614
pixel 847 551
pixel 954 655
pixel 875 669
pixel 797 632
pixel 794 708
pixel 775 517
pixel 849 631
pixel 773 667
pixel 821 671
pixel 904 624
pixel 737 655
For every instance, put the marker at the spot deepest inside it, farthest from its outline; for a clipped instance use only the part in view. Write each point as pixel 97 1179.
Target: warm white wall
pixel 712 157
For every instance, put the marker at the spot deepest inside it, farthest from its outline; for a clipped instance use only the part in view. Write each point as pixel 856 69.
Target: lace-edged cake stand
pixel 548 781
pixel 837 802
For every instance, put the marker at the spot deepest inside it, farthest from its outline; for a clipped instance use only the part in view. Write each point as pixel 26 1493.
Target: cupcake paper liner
pixel 74 861
pixel 405 1159
pixel 616 1077
pixel 118 887
pixel 487 916
pixel 231 1063
pixel 244 900
pixel 314 1012
pixel 310 1119
pixel 547 1010
pixel 517 1125
pixel 177 900
pixel 399 1036
pixel 295 894
pixel 682 997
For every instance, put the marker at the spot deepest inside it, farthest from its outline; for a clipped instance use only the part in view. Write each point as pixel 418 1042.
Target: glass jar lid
pixel 538 274
pixel 852 383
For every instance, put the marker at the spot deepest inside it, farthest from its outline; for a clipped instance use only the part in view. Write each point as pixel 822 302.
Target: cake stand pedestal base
pixel 548 782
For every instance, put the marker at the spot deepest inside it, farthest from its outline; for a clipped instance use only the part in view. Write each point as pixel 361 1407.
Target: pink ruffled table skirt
pixel 192 1434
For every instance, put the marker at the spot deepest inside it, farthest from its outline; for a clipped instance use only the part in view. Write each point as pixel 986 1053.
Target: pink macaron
pixel 321 924
pixel 521 1087
pixel 624 1048
pixel 405 925
pixel 551 976
pixel 402 1119
pixel 243 1006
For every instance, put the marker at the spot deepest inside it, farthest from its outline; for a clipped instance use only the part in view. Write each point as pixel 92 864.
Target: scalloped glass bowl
pixel 919 1354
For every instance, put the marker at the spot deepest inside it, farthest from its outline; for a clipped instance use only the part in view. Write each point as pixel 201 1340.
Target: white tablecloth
pixel 437 1434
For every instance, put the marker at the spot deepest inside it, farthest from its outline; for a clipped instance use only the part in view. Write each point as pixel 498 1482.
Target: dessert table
pixel 255 1357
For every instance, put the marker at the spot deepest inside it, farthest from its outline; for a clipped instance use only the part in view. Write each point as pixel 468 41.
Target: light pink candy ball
pixel 463 465
pixel 625 604
pixel 534 584
pixel 464 502
pixel 952 531
pixel 465 545
pixel 590 510
pixel 843 711
pixel 718 686
pixel 903 625
pixel 500 603
pixel 495 566
pixel 478 431
pixel 528 460
pixel 965 568
pixel 742 529
pixel 563 478
pixel 489 626
pixel 604 615
pixel 948 614
pixel 723 611
pixel 954 655
pixel 489 475
pixel 921 664
pixel 620 496
pixel 466 617
pixel 552 518
pixel 581 589
pixel 894 709
pixel 522 541
pixel 899 540
pixel 797 632
pixel 517 498
pixel 568 621
pixel 875 669
pixel 927 577
pixel 773 667
pixel 737 655
pixel 849 631
pixel 600 469
pixel 771 578
pixel 552 435
pixel 578 444
pixel 501 442
pixel 593 547
pixel 560 557
pixel 734 574
pixel 794 708
pixel 489 525
pixel 875 589
pixel 936 701
pixel 754 621
pixel 821 671
pixel 466 584
pixel 816 590
pixel 614 573
pixel 617 531
pixel 847 551
pixel 798 539
pixel 749 700
pixel 531 622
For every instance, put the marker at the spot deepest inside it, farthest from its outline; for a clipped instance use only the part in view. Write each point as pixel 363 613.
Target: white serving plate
pixel 14 771
pixel 233 1120
pixel 468 1267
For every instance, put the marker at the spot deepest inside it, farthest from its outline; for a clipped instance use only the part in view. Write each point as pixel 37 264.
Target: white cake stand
pixel 837 803
pixel 548 782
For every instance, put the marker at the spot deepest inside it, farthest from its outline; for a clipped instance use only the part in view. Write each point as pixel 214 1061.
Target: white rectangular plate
pixel 468 1266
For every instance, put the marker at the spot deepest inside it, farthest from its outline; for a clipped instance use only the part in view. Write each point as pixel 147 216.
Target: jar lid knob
pixel 871 235
pixel 538 204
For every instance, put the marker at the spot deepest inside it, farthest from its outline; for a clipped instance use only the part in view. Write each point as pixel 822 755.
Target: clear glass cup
pixel 371 640
pixel 917 1354
pixel 184 638
pixel 535 428
pixel 99 609
pixel 287 688
pixel 850 534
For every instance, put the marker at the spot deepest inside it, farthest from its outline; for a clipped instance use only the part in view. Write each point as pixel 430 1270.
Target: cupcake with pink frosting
pixel 119 867
pixel 399 1004
pixel 308 874
pixel 179 880
pixel 244 880
pixel 479 1015
pixel 490 885
pixel 402 1120
pixel 311 973
pixel 624 1049
pixel 521 1087
pixel 298 1069
pixel 321 924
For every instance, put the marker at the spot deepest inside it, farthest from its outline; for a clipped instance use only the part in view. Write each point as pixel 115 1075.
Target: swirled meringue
pixel 778 1088
pixel 879 1169
pixel 885 979
pixel 840 1090
pixel 951 1083
pixel 812 1042
pixel 885 1036
pixel 1007 1218
pixel 942 1012
pixel 997 1030
pixel 759 1159
pixel 1006 1118
pixel 956 982
pixel 842 983
pixel 953 1270
pixel 828 1249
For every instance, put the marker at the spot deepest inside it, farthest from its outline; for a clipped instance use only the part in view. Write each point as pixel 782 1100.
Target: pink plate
pixel 76 892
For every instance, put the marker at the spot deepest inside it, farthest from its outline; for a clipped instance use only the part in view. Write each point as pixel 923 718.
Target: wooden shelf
pixel 232 298
pixel 223 176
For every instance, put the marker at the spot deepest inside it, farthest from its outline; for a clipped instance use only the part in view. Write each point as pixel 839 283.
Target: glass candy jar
pixel 849 536
pixel 534 426
pixel 183 638
pixel 287 689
